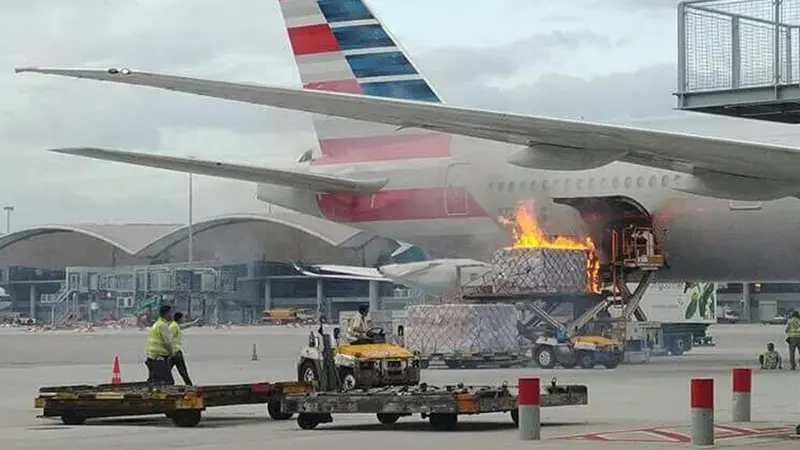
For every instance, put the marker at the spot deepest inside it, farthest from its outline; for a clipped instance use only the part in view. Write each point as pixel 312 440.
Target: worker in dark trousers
pixel 159 350
pixel 176 336
pixel 793 338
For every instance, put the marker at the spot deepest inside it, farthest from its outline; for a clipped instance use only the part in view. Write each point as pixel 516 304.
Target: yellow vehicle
pixel 583 351
pixel 376 364
pixel 280 316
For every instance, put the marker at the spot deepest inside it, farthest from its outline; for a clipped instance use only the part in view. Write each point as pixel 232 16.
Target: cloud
pixel 637 5
pixel 246 43
pixel 479 65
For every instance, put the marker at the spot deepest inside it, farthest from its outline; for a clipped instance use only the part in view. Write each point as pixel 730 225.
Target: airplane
pixel 394 159
pixel 433 277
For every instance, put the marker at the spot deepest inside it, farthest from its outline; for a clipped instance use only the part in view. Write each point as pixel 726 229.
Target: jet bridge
pixel 740 58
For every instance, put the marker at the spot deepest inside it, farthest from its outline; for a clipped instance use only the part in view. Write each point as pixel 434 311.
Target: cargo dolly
pixel 477 360
pixel 183 404
pixel 441 405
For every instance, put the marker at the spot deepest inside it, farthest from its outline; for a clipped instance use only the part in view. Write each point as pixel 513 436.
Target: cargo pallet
pixel 440 405
pixel 471 360
pixel 183 404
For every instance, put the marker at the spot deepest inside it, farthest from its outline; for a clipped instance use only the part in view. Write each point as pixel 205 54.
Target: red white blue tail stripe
pixel 340 46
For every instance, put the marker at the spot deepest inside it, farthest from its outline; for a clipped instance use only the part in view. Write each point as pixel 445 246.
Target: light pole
pixel 191 224
pixel 8 210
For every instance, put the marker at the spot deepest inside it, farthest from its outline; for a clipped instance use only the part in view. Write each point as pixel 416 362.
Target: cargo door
pixel 455 189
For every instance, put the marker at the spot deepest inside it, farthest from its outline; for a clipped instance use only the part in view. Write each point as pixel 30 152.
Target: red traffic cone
pixel 115 378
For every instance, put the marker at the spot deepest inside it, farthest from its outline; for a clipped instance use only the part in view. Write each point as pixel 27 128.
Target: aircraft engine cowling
pixel 557 157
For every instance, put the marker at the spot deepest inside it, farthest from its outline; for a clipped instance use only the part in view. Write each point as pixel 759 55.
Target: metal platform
pixel 441 404
pixel 183 404
pixel 740 58
pixel 203 282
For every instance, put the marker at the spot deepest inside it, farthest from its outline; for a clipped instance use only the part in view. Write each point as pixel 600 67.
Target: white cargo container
pixel 682 311
pixel 680 303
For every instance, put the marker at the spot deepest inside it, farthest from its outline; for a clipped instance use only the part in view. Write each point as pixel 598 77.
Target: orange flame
pixel 527 234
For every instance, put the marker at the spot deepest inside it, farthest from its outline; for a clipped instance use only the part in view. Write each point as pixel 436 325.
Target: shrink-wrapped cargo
pixel 535 270
pixel 461 329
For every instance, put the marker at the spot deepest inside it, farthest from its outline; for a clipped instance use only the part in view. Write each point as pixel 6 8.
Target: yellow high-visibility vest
pixel 794 328
pixel 176 336
pixel 155 346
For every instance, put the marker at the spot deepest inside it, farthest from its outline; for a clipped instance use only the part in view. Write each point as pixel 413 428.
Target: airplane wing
pixel 736 168
pixel 283 177
pixel 340 272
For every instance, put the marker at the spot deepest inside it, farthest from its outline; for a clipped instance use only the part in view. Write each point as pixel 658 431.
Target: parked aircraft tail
pixel 341 46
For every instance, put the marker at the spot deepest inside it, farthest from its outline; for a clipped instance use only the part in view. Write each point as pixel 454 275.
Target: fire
pixel 527 234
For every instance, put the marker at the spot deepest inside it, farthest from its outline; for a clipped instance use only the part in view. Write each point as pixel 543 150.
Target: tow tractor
pixel 441 405
pixel 376 364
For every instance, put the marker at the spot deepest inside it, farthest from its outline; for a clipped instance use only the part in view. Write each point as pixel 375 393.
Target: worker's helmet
pixel 363 309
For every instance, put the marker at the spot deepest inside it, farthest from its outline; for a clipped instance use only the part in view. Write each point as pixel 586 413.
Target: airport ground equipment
pixel 441 405
pixel 677 315
pixel 183 404
pixel 472 360
pixel 281 316
pixel 539 280
pixel 556 345
pixel 349 366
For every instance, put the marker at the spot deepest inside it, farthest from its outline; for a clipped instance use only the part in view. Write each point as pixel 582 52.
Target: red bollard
pixel 742 388
pixel 702 411
pixel 528 404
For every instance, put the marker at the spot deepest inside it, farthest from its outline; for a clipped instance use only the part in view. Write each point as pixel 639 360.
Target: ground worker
pixel 357 327
pixel 770 359
pixel 159 349
pixel 793 338
pixel 176 336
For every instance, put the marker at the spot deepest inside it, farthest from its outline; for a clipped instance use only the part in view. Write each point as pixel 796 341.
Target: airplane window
pixel 491 187
pixel 500 186
pixel 665 181
pixel 545 185
pixel 640 182
pixel 653 181
pixel 567 184
pixel 555 184
pixel 604 183
pixel 533 186
pixel 628 182
pixel 511 187
pixel 615 183
pixel 677 177
pixel 522 185
pixel 591 183
pixel 579 184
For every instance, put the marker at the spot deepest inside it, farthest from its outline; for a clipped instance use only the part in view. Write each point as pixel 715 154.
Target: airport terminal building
pixel 241 266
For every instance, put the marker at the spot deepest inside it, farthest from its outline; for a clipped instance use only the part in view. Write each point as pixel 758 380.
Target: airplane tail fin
pixel 341 46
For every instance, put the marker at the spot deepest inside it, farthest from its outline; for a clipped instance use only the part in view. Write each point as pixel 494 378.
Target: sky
pixel 596 59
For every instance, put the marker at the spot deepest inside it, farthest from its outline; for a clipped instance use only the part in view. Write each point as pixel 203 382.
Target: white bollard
pixel 702 411
pixel 528 404
pixel 742 387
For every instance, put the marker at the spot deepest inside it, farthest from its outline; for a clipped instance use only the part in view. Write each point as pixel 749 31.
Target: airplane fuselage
pixel 451 206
